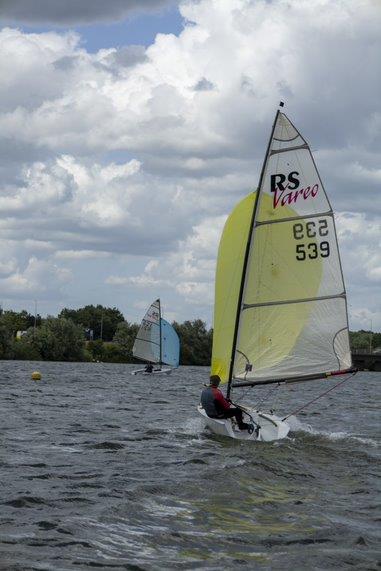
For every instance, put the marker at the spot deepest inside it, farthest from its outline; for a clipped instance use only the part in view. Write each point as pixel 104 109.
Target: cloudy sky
pixel 130 128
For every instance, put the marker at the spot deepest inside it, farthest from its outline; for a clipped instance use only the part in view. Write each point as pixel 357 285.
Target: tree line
pixel 91 333
pixel 98 333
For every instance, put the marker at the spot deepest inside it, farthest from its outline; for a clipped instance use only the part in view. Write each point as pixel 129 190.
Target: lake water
pixel 104 470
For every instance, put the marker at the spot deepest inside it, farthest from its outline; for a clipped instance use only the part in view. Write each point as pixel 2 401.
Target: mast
pixel 160 331
pixel 247 252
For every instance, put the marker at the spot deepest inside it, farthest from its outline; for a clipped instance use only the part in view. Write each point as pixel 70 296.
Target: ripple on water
pixel 102 473
pixel 25 502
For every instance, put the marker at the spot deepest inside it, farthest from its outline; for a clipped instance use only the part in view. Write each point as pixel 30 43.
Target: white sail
pixel 147 342
pixel 292 320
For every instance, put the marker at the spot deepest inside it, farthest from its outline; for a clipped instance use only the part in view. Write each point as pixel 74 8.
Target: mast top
pixel 281 103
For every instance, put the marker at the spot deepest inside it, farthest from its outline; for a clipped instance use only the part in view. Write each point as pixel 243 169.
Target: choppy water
pixel 100 469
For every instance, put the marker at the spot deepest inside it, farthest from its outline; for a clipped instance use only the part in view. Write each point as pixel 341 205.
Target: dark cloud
pixel 128 56
pixel 204 85
pixel 66 63
pixel 71 12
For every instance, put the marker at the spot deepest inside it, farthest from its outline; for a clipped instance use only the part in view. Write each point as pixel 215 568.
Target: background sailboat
pixel 280 304
pixel 157 342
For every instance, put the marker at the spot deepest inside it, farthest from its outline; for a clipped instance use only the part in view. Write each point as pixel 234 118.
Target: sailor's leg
pixel 237 414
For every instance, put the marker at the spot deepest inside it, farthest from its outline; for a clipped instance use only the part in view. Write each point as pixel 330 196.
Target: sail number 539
pixel 311 229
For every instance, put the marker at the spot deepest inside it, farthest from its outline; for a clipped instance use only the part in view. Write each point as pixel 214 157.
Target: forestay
pixel 170 344
pixel 147 342
pixel 280 309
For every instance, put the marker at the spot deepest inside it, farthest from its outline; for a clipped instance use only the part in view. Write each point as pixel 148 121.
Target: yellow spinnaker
pixel 231 254
pixel 266 334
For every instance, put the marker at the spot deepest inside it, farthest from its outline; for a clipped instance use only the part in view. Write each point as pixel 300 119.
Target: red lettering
pixel 286 198
pixel 296 195
pixel 291 197
pixel 277 198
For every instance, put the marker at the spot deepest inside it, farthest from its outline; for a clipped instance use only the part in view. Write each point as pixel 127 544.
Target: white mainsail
pixel 291 315
pixel 147 342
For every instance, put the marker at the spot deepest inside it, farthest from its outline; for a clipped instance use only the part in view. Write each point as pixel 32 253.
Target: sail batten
pixel 291 301
pixel 147 341
pixel 291 314
pixel 276 151
pixel 292 218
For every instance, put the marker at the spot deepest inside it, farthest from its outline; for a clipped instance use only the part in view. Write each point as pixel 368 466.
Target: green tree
pixel 112 353
pixel 18 320
pixel 124 338
pixel 6 343
pixel 102 320
pixel 95 348
pixel 195 342
pixel 364 340
pixel 59 339
pixel 24 349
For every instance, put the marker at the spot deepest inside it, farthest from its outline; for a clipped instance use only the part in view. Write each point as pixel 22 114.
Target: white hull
pixel 271 427
pixel 154 372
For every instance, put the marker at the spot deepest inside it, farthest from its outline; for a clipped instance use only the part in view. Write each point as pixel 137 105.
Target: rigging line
pixel 275 400
pixel 244 393
pixel 272 390
pixel 318 397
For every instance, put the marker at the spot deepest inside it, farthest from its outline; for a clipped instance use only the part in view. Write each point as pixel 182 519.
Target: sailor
pixel 149 368
pixel 217 406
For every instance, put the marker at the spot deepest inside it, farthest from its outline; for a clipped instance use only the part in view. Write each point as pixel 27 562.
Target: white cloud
pixel 196 293
pixel 189 271
pixel 79 254
pixel 146 279
pixel 7 266
pixel 138 281
pixel 38 278
pixel 143 152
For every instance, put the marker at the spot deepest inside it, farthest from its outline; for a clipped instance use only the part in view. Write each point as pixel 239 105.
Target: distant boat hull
pixel 271 427
pixel 154 372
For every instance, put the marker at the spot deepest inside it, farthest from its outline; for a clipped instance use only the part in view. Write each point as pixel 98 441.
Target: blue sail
pixel 170 344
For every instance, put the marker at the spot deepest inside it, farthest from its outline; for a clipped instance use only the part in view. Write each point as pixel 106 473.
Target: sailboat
pixel 280 312
pixel 157 343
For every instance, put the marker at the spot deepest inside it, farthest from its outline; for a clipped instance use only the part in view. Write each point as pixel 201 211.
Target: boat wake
pixel 298 426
